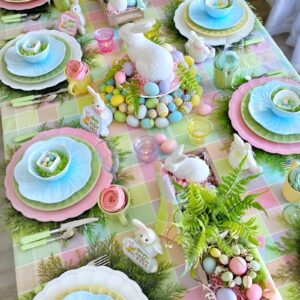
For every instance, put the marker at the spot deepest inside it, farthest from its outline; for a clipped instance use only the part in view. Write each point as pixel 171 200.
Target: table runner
pixel 260 58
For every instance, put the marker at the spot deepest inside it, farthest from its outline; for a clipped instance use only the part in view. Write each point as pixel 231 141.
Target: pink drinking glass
pixel 105 39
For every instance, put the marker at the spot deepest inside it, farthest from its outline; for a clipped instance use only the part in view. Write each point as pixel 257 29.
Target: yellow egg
pixel 130 109
pixel 109 89
pixel 195 100
pixel 116 100
pixel 189 60
pixel 178 101
pixel 214 252
pixel 162 110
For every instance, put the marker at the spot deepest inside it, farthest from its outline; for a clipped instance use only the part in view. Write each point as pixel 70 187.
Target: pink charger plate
pixel 21 5
pixel 240 126
pixel 77 209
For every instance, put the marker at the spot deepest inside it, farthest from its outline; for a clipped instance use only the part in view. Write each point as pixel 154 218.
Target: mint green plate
pixel 78 196
pixel 44 77
pixel 261 131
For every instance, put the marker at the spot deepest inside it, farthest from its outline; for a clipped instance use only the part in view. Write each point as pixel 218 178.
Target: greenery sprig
pixel 116 67
pixel 133 92
pixel 188 79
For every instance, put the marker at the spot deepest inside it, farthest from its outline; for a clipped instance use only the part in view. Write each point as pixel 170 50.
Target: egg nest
pixel 30 53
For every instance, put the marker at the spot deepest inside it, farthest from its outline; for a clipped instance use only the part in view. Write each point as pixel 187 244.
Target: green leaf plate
pixel 44 77
pixel 78 196
pixel 261 131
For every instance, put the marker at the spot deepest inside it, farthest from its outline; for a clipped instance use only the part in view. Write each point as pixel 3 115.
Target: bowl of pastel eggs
pixel 218 8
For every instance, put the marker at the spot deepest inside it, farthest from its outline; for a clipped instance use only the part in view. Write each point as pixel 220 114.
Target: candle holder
pixel 146 148
pixel 198 128
pixel 105 39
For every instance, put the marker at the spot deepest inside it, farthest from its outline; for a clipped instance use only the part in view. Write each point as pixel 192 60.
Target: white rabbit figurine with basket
pixel 76 9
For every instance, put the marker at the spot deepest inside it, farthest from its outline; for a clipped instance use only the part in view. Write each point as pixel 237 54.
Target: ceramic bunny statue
pixel 75 8
pixel 238 150
pixel 185 167
pixel 117 5
pixel 153 62
pixel 197 49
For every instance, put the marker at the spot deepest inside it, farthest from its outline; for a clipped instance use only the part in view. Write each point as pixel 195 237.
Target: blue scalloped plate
pixel 199 16
pixel 50 192
pixel 261 111
pixel 82 295
pixel 20 67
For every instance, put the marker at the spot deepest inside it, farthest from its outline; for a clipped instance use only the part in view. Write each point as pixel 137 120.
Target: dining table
pixel 257 59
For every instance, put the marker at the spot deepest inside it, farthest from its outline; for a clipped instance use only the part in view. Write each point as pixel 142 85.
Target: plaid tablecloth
pixel 260 58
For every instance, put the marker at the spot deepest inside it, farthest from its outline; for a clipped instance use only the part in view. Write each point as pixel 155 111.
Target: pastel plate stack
pixel 21 4
pixel 252 113
pixel 76 190
pixel 18 73
pixel 237 24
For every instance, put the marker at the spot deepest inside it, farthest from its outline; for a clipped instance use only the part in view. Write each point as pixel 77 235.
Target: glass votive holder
pixel 105 39
pixel 146 148
pixel 198 129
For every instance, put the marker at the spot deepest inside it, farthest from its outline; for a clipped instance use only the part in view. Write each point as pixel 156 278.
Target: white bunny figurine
pixel 75 7
pixel 103 111
pixel 147 239
pixel 185 167
pixel 153 62
pixel 118 5
pixel 197 49
pixel 238 150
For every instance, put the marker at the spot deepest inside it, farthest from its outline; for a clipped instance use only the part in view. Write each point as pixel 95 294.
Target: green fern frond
pixel 133 92
pixel 118 65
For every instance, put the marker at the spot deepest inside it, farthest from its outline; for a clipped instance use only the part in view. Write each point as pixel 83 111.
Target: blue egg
pixel 172 106
pixel 175 116
pixel 141 100
pixel 110 82
pixel 166 99
pixel 186 97
pixel 108 97
pixel 177 93
pixel 131 3
pixel 225 293
pixel 209 264
pixel 164 86
pixel 151 89
pixel 147 123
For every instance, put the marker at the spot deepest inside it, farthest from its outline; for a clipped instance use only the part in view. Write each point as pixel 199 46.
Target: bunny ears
pixel 142 25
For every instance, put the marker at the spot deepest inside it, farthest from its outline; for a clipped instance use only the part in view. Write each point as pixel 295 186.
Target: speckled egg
pixel 255 265
pixel 151 103
pixel 161 122
pixel 166 99
pixel 186 108
pixel 238 265
pixel 178 93
pixel 172 107
pixel 147 123
pixel 215 252
pixel 120 116
pixel 160 138
pixel 109 88
pixel 151 89
pixel 189 60
pixel 162 110
pixel 132 121
pixel 128 68
pixel 131 3
pixel 108 97
pixel 204 109
pixel 209 265
pixel 168 47
pixel 225 294
pixel 168 146
pixel 227 276
pixel 224 259
pixel 123 107
pixel 142 100
pixel 175 116
pixel 164 86
pixel 131 109
pixel 254 292
pixel 236 250
pixel 116 100
pixel 152 113
pixel 178 101
pixel 141 112
pixel 247 281
pixel 120 77
pixel 186 97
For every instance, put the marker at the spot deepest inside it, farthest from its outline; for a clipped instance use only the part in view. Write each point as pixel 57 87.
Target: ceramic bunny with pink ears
pixel 76 9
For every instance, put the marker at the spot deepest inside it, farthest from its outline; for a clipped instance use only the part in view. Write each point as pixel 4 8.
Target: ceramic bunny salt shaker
pixel 75 8
pixel 238 150
pixel 118 5
pixel 197 49
pixel 186 167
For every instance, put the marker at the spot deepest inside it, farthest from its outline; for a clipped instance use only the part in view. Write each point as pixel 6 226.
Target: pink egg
pixel 204 109
pixel 160 138
pixel 168 146
pixel 120 77
pixel 238 266
pixel 254 292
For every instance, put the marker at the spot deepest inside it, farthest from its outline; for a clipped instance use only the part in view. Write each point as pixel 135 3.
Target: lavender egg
pixel 166 99
pixel 164 86
pixel 128 69
pixel 225 293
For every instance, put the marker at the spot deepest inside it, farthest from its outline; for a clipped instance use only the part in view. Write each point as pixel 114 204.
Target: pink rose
pixel 76 69
pixel 113 199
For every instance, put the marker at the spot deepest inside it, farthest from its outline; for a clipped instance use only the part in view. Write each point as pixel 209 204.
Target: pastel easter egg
pixel 231 284
pixel 102 87
pixel 178 101
pixel 224 259
pixel 227 276
pixel 120 116
pixel 131 3
pixel 189 60
pixel 166 99
pixel 141 100
pixel 252 274
pixel 151 103
pixel 164 86
pixel 172 107
pixel 128 69
pixel 108 97
pixel 249 257
pixel 142 111
pixel 110 82
pixel 175 116
pixel 209 264
pixel 160 138
pixel 238 280
pixel 161 122
pixel 120 77
pixel 109 88
pixel 178 93
pixel 177 56
pixel 215 252
pixel 225 294
pixel 168 146
pixel 255 265
pixel 195 100
pixel 132 121
pixel 131 109
pixel 247 281
pixel 162 110
pixel 116 100
pixel 168 47
pixel 186 97
pixel 147 123
pixel 238 265
pixel 204 109
pixel 254 292
pixel 152 113
pixel 123 107
pixel 236 250
pixel 116 92
pixel 186 108
pixel 219 269
pixel 151 89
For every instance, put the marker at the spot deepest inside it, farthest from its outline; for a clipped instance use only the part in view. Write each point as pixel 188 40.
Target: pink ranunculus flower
pixel 76 69
pixel 113 199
